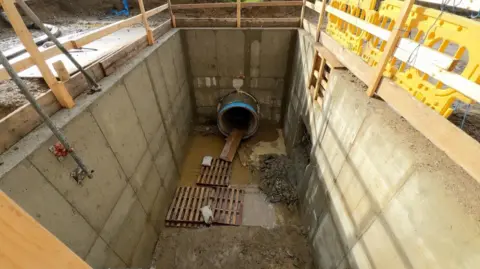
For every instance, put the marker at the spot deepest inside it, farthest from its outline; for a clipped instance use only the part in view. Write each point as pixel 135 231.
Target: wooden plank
pixel 62 72
pixel 148 30
pixel 316 92
pixel 104 31
pixel 203 5
pixel 231 146
pixel 25 243
pixel 116 60
pixel 21 64
pixel 239 13
pixel 25 63
pixel 330 58
pixel 459 146
pixel 24 119
pixel 302 13
pixel 232 22
pixel 321 17
pixel 405 46
pixel 312 6
pixel 431 62
pixel 172 17
pixel 273 4
pixel 58 88
pixel 396 34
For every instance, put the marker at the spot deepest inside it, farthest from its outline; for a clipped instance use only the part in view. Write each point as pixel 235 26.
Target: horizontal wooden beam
pixel 458 145
pixel 427 60
pixel 27 244
pixel 312 6
pixel 232 22
pixel 232 5
pixel 405 46
pixel 273 4
pixel 203 5
pixel 25 63
pixel 24 119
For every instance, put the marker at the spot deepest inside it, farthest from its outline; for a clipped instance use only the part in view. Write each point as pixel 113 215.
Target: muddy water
pixel 267 140
pixel 210 145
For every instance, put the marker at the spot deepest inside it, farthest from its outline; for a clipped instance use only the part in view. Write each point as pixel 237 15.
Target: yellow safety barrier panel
pixel 450 34
pixel 346 34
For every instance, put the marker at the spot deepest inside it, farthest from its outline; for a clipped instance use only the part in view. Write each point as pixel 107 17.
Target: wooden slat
pixel 215 175
pixel 197 214
pixel 398 31
pixel 27 244
pixel 321 17
pixel 227 205
pixel 231 146
pixel 302 13
pixel 273 4
pixel 62 72
pixel 239 13
pixel 331 59
pixel 170 11
pixel 316 92
pixel 459 146
pixel 109 29
pixel 58 88
pixel 89 37
pixel 148 30
pixel 23 120
pixel 203 5
pixel 405 48
pixel 232 22
pixel 312 6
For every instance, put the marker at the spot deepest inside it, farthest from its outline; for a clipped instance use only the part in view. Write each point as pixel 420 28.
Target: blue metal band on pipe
pixel 237 104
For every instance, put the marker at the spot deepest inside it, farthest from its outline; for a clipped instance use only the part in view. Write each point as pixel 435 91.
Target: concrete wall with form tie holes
pixel 377 193
pixel 133 134
pixel 217 56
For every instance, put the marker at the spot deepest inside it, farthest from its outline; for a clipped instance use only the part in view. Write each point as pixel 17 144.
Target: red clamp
pixel 59 150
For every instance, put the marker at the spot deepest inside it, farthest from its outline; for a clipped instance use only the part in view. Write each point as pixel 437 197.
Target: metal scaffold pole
pixel 82 170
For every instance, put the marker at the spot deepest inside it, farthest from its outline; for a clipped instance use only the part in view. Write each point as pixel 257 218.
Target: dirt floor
pixel 270 235
pixel 233 248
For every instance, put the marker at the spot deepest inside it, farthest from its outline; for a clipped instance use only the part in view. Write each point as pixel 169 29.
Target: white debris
pixel 207 161
pixel 207 214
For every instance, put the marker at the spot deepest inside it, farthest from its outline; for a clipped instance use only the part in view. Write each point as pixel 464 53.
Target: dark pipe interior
pixel 237 117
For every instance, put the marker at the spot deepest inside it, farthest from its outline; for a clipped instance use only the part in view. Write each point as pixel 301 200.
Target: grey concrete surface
pixel 216 56
pixel 124 133
pixel 377 193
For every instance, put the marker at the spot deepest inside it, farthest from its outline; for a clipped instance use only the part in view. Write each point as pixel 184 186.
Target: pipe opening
pixel 238 111
pixel 237 118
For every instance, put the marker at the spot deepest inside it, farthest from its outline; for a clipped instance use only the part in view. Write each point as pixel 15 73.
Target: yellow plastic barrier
pixel 450 34
pixel 346 34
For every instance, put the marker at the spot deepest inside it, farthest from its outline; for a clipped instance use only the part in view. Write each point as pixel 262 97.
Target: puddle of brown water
pixel 210 145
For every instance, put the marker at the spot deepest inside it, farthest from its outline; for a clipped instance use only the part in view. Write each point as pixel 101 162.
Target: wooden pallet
pixel 216 175
pixel 184 224
pixel 227 206
pixel 186 204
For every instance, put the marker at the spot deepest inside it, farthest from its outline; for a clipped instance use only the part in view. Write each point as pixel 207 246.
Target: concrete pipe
pixel 238 110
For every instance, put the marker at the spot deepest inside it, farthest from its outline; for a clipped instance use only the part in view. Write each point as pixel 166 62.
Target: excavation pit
pixel 370 194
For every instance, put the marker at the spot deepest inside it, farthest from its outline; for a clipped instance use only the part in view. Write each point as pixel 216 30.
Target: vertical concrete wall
pixel 217 56
pixel 377 194
pixel 133 134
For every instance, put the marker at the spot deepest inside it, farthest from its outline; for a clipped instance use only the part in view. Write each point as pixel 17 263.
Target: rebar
pixel 58 134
